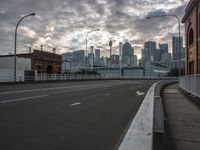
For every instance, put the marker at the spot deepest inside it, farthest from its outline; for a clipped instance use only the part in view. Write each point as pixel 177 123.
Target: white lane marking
pixel 44 89
pixel 74 104
pixel 22 99
pixel 139 93
pixel 107 94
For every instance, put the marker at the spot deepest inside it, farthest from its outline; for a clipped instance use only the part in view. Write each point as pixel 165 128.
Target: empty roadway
pixel 84 115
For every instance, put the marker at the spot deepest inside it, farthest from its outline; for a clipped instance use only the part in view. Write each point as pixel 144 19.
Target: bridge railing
pixel 62 77
pixel 191 84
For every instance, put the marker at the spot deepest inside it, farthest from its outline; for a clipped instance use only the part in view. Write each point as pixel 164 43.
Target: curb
pixel 148 120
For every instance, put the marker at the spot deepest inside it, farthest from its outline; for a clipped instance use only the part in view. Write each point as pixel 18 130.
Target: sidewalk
pixel 183 119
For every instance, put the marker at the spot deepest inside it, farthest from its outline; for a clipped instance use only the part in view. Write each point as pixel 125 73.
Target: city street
pixel 82 115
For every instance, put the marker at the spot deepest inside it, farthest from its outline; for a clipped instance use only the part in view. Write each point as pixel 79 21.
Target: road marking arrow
pixel 139 93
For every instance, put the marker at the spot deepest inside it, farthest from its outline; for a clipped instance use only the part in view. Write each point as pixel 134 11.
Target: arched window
pixel 191 37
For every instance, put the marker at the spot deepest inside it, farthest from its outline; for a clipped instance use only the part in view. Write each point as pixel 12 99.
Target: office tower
pixel 127 53
pixel 175 47
pixel 150 51
pixel 163 48
pixel 78 56
pixel 97 56
pixel 158 55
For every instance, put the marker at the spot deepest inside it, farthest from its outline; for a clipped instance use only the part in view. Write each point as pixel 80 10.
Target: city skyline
pixel 63 25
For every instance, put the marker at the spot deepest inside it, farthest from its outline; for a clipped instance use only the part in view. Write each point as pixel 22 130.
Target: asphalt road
pixel 87 115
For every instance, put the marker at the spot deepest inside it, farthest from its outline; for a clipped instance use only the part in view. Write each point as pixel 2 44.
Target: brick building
pixel 42 62
pixel 192 36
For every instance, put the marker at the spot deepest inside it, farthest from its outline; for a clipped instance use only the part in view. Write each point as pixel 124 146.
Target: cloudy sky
pixel 63 24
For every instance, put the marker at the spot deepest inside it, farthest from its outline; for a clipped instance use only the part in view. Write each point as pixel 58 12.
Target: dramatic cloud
pixel 63 24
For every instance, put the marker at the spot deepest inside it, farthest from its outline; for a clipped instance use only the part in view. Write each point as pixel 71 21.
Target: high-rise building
pixel 158 55
pixel 78 56
pixel 67 56
pixel 150 51
pixel 127 53
pixel 97 53
pixel 91 59
pixel 165 59
pixel 163 48
pixel 97 57
pixel 127 50
pixel 135 59
pixel 175 47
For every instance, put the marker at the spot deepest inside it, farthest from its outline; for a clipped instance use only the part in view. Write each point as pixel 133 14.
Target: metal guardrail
pixel 190 84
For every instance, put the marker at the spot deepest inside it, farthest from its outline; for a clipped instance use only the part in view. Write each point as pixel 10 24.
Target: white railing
pixel 57 77
pixel 190 84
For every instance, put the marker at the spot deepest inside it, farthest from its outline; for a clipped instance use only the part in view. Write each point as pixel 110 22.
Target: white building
pixel 7 68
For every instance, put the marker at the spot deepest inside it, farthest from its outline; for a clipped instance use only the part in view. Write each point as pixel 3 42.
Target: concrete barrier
pixel 149 119
pixel 140 134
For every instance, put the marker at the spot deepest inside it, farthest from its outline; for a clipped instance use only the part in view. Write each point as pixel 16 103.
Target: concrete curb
pixel 140 134
pixel 149 119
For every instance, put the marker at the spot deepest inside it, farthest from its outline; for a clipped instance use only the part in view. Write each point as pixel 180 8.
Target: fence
pixel 190 84
pixel 62 77
pixel 43 77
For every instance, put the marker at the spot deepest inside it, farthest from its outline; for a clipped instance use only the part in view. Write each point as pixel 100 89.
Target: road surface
pixel 84 115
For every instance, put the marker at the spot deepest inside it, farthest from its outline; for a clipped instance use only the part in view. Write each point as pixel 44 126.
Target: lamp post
pixel 86 46
pixel 179 28
pixel 15 47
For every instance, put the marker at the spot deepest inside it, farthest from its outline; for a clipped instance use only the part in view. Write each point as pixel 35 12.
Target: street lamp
pixel 179 28
pixel 86 46
pixel 15 47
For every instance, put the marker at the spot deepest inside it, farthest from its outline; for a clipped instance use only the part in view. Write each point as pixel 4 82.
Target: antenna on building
pixel 29 49
pixel 54 50
pixel 41 47
pixel 92 49
pixel 110 44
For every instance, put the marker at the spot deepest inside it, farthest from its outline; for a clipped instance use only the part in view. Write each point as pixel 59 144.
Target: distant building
pixel 163 48
pixel 150 48
pixel 175 47
pixel 192 36
pixel 114 60
pixel 127 50
pixel 166 59
pixel 148 53
pixel 158 55
pixel 78 56
pixel 135 60
pixel 97 58
pixel 41 62
pixel 127 54
pixel 91 59
pixel 23 65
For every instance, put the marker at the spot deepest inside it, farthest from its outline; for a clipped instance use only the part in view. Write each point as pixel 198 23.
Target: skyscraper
pixel 127 50
pixel 97 54
pixel 97 57
pixel 127 53
pixel 150 51
pixel 163 48
pixel 175 47
pixel 78 56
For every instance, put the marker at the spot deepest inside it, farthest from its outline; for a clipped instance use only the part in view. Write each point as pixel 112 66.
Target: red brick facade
pixel 192 37
pixel 43 62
